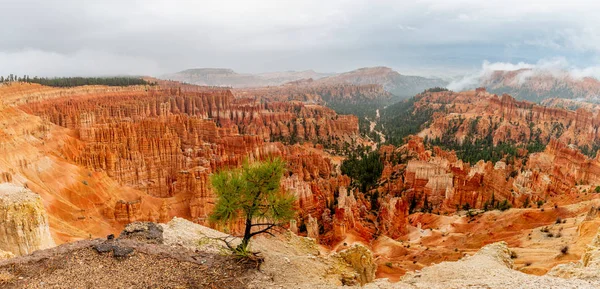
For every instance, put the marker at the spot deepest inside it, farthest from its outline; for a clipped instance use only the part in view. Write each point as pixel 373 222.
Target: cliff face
pixel 438 182
pixel 318 92
pixel 478 114
pixel 24 227
pixel 474 121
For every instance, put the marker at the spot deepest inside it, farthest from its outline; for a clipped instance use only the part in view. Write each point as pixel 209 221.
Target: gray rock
pixel 143 231
pixel 104 247
pixel 122 252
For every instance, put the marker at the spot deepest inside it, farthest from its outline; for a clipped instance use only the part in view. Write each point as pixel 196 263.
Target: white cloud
pixel 556 67
pixel 473 80
pixel 488 66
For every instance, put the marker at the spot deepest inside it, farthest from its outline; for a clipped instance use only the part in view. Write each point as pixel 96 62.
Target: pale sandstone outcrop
pixel 587 268
pixel 23 221
pixel 490 267
pixel 362 260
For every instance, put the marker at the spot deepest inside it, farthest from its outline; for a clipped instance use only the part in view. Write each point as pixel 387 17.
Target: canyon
pixel 89 160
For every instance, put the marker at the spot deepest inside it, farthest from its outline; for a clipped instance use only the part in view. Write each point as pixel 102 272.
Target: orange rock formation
pixel 146 153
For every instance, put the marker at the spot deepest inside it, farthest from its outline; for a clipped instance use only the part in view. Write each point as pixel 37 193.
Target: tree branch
pixel 265 230
pixel 264 224
pixel 225 240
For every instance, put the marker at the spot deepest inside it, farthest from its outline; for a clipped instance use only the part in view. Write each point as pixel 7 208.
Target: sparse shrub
pixel 513 255
pixel 544 230
pixel 466 207
pixel 504 205
pixel 526 203
pixel 550 235
pixel 527 264
pixel 558 220
pixel 558 235
pixel 85 182
pixel 564 250
pixel 540 203
pixel 389 264
pixel 597 189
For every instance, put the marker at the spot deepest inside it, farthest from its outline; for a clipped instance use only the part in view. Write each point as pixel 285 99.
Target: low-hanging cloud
pixel 473 80
pixel 556 67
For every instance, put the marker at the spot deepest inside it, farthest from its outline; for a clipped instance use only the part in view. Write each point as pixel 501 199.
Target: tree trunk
pixel 247 234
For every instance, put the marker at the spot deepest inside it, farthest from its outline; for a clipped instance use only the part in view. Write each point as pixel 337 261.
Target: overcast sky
pixel 427 37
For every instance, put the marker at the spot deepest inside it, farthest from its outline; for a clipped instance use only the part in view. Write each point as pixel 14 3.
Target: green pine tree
pixel 253 193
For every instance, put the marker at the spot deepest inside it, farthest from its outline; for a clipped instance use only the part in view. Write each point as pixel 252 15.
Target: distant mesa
pixel 230 78
pixel 391 80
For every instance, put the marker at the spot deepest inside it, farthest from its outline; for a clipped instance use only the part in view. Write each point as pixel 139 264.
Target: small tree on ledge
pixel 253 193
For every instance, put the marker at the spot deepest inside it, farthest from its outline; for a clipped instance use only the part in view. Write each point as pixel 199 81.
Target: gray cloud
pixel 431 37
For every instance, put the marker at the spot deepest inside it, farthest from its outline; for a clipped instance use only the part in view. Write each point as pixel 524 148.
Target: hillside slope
pixel 400 85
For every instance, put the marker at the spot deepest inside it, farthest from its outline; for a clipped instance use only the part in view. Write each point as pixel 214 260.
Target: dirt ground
pixel 79 265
